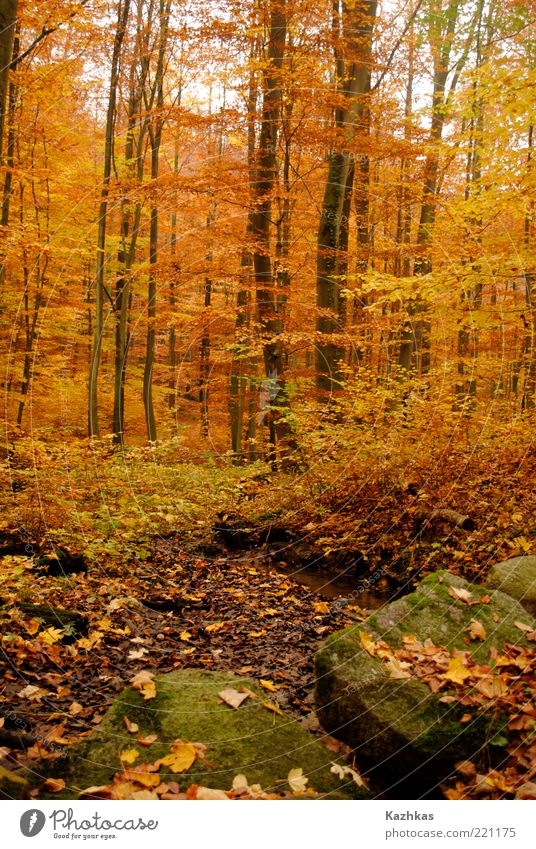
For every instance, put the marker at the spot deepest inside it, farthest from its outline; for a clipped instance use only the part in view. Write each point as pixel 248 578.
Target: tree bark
pixel 353 26
pixel 123 8
pixel 8 19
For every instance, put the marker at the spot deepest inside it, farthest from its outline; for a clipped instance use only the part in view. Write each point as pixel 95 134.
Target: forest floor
pixel 210 594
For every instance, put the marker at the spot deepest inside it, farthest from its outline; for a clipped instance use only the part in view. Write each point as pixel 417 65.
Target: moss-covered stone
pixel 250 739
pixel 398 726
pixel 516 577
pixel 12 786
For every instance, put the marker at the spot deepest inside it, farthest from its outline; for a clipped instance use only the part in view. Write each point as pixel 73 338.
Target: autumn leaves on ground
pixel 267 308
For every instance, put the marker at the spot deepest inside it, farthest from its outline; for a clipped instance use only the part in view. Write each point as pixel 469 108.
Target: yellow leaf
pixel 367 642
pixel 146 779
pixel 181 757
pixel 51 635
pixel 273 707
pixel 132 727
pixel 185 636
pixel 321 607
pixel 128 756
pixel 256 633
pixel 297 780
pixel 143 682
pixel 268 685
pixel 457 672
pixel 216 626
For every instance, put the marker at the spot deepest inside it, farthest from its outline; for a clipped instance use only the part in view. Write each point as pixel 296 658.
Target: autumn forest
pixel 268 370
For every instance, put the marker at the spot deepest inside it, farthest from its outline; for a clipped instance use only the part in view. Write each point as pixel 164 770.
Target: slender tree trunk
pixel 155 133
pixel 123 8
pixel 241 357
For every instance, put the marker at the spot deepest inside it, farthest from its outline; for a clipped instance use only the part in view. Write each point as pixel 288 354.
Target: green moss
pixel 400 722
pixel 12 786
pixel 250 740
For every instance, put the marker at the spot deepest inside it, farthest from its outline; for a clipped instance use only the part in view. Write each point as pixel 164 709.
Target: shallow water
pixel 334 586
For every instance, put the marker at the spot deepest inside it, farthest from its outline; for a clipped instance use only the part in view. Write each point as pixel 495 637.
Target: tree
pixel 353 26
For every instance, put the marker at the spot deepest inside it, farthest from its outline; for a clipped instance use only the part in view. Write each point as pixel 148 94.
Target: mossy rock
pixel 250 739
pixel 516 577
pixel 398 727
pixel 12 786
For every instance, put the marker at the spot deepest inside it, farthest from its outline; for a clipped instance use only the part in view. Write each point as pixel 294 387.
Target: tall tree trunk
pixel 415 342
pixel 123 8
pixel 241 357
pixel 8 18
pixel 353 26
pixel 155 132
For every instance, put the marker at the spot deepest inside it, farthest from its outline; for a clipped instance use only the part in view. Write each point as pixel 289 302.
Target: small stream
pixel 333 586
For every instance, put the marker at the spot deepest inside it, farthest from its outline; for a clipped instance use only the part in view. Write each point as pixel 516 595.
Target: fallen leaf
pixel 136 655
pixel 216 626
pixel 232 697
pixel 367 642
pixel 185 636
pixel 476 630
pixel 132 727
pixel 209 794
pixel 101 791
pixel 146 779
pixel 75 708
pixel 343 771
pixel 397 669
pixel 147 741
pixel 457 672
pixel 523 627
pixel 144 683
pixel 51 635
pixel 461 595
pixel 128 756
pixel 240 782
pixel 297 780
pixel 273 707
pixel 269 685
pixel 181 757
pixel 32 692
pixel 54 785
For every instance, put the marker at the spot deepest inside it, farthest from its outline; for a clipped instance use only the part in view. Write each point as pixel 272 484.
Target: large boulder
pixel 516 577
pixel 400 729
pixel 250 740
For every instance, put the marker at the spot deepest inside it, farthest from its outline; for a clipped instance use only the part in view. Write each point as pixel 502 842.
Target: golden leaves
pixel 181 757
pixel 143 682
